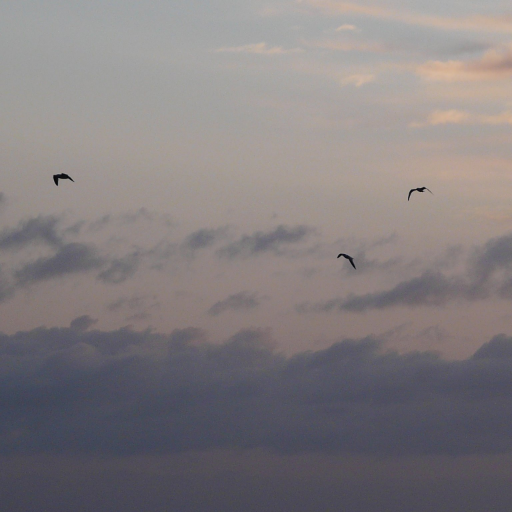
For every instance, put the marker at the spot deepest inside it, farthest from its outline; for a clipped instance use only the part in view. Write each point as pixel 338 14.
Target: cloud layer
pixel 496 64
pixel 125 392
pixel 477 23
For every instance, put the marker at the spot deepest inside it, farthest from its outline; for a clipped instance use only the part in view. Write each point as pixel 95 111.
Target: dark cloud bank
pixel 69 390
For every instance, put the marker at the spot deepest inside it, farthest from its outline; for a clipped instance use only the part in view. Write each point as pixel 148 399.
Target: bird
pixel 419 189
pixel 61 176
pixel 349 258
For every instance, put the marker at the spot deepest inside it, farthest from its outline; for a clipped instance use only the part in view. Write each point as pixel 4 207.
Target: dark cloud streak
pixel 35 230
pixel 69 259
pixel 488 272
pixel 264 242
pixel 241 301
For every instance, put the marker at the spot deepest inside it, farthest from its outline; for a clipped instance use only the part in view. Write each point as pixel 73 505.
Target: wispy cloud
pixel 266 242
pixel 120 269
pixel 241 301
pixel 453 116
pixel 347 46
pixel 429 289
pixel 202 239
pixel 257 48
pixel 488 272
pixel 480 23
pixel 347 26
pixel 71 258
pixel 40 229
pixel 496 64
pixel 358 80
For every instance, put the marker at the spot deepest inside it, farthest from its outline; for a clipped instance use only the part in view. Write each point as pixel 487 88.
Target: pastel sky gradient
pixel 224 153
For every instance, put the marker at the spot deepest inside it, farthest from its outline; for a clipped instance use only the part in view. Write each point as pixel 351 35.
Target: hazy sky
pixel 181 305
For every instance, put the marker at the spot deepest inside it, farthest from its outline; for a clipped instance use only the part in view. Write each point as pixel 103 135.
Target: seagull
pixel 349 258
pixel 419 189
pixel 61 176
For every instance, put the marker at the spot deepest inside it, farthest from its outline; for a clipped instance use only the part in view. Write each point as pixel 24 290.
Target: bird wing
pixel 56 179
pixel 352 262
pixel 70 178
pixel 410 192
pixel 340 255
pixel 429 190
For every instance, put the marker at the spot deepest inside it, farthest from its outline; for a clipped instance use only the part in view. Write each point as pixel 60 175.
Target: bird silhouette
pixel 419 189
pixel 349 258
pixel 61 176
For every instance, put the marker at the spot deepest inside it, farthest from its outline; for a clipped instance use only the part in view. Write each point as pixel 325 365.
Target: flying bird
pixel 61 176
pixel 419 189
pixel 349 258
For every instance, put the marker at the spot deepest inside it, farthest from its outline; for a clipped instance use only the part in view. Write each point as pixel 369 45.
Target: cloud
pixel 40 229
pixel 448 117
pixel 202 238
pixel 130 218
pixel 258 48
pixel 46 248
pixel 72 390
pixel 429 289
pixel 453 116
pixel 494 65
pixel 82 323
pixel 494 256
pixel 241 301
pixel 136 307
pixel 265 242
pixel 135 302
pixel 479 23
pixel 347 46
pixel 358 80
pixel 69 259
pixel 488 272
pixel 347 26
pixel 120 269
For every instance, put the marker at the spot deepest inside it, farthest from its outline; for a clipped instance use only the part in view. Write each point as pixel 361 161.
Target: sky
pixel 176 332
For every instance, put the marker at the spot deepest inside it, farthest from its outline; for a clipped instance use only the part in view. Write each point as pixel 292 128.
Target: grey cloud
pixel 500 347
pixel 496 254
pixel 505 290
pixel 264 242
pixel 135 302
pixel 129 218
pixel 126 392
pixel 488 272
pixel 203 238
pixel 237 302
pixel 120 269
pixel 7 289
pixel 139 317
pixel 69 259
pixel 99 224
pixel 38 229
pixel 82 323
pixel 143 214
pixel 137 307
pixel 429 289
